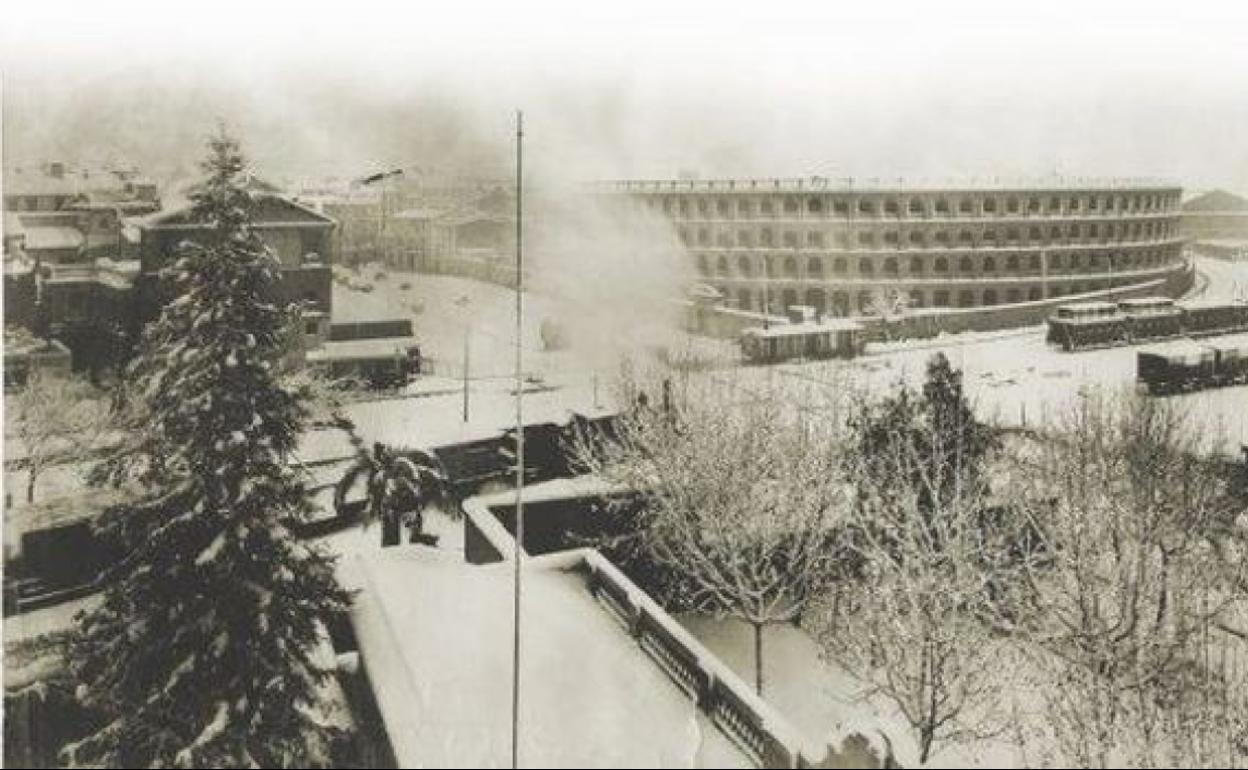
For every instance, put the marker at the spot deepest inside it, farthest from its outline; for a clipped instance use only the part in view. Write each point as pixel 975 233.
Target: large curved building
pixel 845 247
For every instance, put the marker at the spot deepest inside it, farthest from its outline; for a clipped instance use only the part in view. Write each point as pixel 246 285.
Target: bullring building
pixel 842 246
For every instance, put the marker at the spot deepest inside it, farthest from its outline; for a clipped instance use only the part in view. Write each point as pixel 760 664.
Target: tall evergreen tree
pixel 202 653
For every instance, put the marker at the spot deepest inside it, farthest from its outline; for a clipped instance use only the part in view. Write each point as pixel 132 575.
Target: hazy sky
pixel 641 89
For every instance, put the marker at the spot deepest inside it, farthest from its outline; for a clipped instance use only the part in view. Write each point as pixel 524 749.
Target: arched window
pixel 890 266
pixel 838 266
pixel 916 206
pixel 743 299
pixel 990 206
pixel 790 298
pixel 703 267
pixel 941 265
pixel 743 208
pixel 990 296
pixel 965 265
pixel 764 237
pixel 965 237
pixel 790 206
pixel 916 298
pixel 989 265
pixel 1011 205
pixel 865 267
pixel 790 268
pixel 916 266
pixel 916 238
pixel 1012 296
pixel 1011 262
pixel 840 303
pixel 722 266
pixel 942 206
pixel 940 298
pixel 745 267
pixel 814 206
pixel 1033 294
pixel 891 207
pixel 721 207
pixel 814 267
pixel 818 300
pixel 966 298
pixel 744 239
pixel 1035 262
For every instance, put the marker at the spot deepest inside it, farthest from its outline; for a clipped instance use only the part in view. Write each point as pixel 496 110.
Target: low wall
pixel 726 322
pixel 736 709
pixel 997 317
pixel 760 731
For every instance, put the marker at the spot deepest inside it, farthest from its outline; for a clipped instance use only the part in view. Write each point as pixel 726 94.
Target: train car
pixel 1151 318
pixel 1175 367
pixel 1231 359
pixel 1085 325
pixel 785 342
pixel 1201 318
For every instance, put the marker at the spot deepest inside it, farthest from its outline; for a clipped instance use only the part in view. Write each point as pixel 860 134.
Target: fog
pixel 642 91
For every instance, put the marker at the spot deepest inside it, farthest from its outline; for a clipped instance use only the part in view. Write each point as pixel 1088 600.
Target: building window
pixel 722 266
pixel 916 266
pixel 916 238
pixel 965 237
pixel 1033 294
pixel 790 239
pixel 814 268
pixel 1011 235
pixel 942 237
pixel 814 206
pixel 840 207
pixel 990 206
pixel 966 298
pixel 941 265
pixel 1011 263
pixel 743 299
pixel 942 206
pixel 1012 296
pixel 990 296
pixel 1033 205
pixel 790 205
pixel 764 236
pixel 965 207
pixel 790 267
pixel 814 239
pixel 721 207
pixel 965 265
pixel 865 267
pixel 743 208
pixel 703 207
pixel 891 207
pixel 839 266
pixel 916 298
pixel 990 265
pixel 990 236
pixel 891 237
pixel 684 207
pixel 866 239
pixel 765 208
pixel 940 298
pixel 704 236
pixel 703 269
pixel 1035 234
pixel 890 266
pixel 866 207
pixel 916 206
pixel 744 267
pixel 1011 205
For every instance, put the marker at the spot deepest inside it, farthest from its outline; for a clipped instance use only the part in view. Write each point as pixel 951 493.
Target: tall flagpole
pixel 519 533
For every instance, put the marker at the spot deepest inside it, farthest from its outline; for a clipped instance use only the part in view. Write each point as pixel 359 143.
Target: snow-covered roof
pixel 52 237
pixel 793 330
pixel 435 640
pixel 362 350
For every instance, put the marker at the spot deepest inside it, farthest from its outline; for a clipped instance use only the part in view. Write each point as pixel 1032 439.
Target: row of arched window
pixel 867 302
pixel 725 266
pixel 1073 232
pixel 975 204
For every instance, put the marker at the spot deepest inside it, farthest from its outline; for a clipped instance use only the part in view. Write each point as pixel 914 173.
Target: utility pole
pixel 518 551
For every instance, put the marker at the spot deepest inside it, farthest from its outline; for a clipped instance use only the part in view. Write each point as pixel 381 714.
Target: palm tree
pixel 399 484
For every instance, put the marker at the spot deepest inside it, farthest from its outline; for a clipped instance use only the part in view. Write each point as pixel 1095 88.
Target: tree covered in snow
pixel 203 652
pixel 1137 614
pixel 927 564
pixel 59 421
pixel 731 505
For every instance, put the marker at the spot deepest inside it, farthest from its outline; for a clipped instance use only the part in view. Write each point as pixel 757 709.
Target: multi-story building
pixel 842 247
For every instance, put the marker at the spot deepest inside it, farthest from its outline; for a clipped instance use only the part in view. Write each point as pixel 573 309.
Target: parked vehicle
pixel 1085 325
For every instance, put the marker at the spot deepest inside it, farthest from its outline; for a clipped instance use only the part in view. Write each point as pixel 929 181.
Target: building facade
pixel 848 249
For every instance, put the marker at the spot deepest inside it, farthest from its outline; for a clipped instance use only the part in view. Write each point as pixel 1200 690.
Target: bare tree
pixel 731 504
pixel 59 421
pixel 1144 572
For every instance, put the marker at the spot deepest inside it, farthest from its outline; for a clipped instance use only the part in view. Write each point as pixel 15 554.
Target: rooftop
pixel 435 638
pixel 878 184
